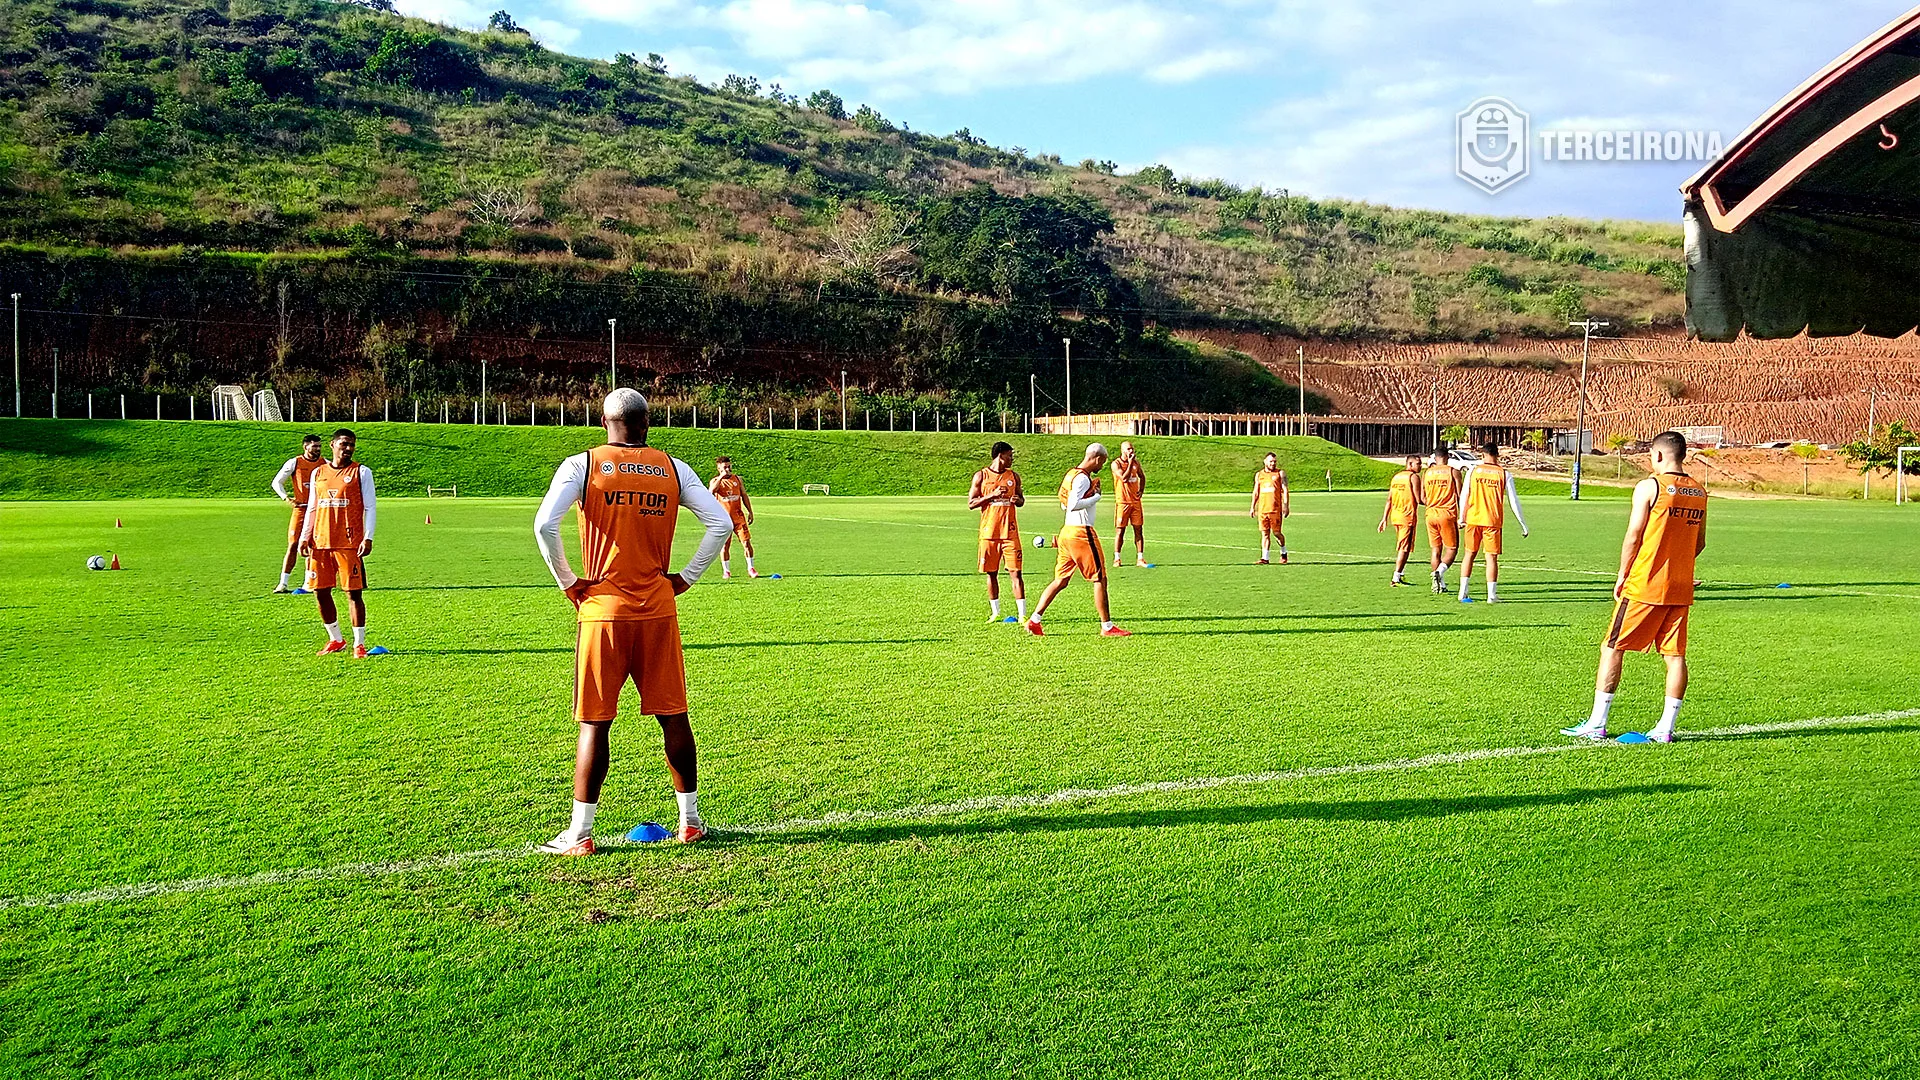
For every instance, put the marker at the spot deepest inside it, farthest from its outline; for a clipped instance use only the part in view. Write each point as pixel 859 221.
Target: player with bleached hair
pixel 1483 518
pixel 1079 542
pixel 628 495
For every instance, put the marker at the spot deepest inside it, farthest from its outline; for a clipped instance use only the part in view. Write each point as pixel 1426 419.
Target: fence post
pixel 563 412
pixel 156 406
pixel 816 418
pixel 796 418
pixel 913 418
pixel 869 419
pixel 889 419
pixel 356 409
pixel 89 405
pixel 123 406
pixel 696 416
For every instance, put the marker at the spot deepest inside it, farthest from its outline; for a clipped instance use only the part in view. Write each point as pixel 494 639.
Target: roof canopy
pixel 1811 219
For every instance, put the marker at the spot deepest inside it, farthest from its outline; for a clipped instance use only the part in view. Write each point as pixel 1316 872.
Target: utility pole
pixel 1866 475
pixel 1587 327
pixel 16 356
pixel 1069 343
pixel 613 355
pixel 843 399
pixel 482 412
pixel 1436 407
pixel 1032 403
pixel 1303 388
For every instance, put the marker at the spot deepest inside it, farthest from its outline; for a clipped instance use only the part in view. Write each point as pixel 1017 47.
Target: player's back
pixel 1400 498
pixel 339 506
pixel 1084 515
pixel 1486 490
pixel 1441 486
pixel 999 517
pixel 303 478
pixel 1662 570
pixel 627 515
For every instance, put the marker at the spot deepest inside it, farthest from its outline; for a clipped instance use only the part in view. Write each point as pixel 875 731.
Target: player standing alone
pixel 629 496
pixel 1403 502
pixel 1129 484
pixel 300 471
pixel 1440 487
pixel 1271 505
pixel 1654 591
pixel 1484 516
pixel 997 494
pixel 337 537
pixel 732 493
pixel 1080 542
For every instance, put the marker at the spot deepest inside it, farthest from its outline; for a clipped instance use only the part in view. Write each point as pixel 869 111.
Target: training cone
pixel 649 833
pixel 429 519
pixel 116 523
pixel 115 564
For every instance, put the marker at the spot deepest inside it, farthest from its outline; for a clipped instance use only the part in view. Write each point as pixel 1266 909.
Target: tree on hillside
pixel 828 102
pixel 1027 249
pixel 869 118
pixel 423 61
pixel 873 248
pixel 741 85
pixel 656 63
pixel 502 23
pixel 1158 177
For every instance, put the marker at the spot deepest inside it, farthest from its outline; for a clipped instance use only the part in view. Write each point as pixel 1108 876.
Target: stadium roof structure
pixel 1810 220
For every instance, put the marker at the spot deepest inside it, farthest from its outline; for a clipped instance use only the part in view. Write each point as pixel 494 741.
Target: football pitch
pixel 1299 824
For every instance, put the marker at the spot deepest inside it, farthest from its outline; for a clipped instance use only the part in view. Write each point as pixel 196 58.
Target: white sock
pixel 1602 705
pixel 359 635
pixel 1107 625
pixel 283 579
pixel 1493 590
pixel 333 632
pixel 1670 715
pixel 582 826
pixel 1444 567
pixel 689 811
pixel 1022 605
pixel 1397 575
pixel 749 564
pixel 1266 552
pixel 1466 583
pixel 1283 551
pixel 1034 618
pixel 724 568
pixel 995 605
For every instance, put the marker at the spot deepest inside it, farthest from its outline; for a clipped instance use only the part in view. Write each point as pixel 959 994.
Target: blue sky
pixel 1349 98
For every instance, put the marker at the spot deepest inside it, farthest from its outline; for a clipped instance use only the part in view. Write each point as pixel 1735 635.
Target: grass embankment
pixel 79 459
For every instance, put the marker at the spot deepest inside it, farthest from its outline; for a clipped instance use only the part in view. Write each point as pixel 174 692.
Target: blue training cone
pixel 379 650
pixel 776 577
pixel 1633 737
pixel 650 832
pixel 1784 585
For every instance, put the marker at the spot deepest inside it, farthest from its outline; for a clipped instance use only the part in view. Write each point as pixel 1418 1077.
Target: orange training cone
pixel 115 564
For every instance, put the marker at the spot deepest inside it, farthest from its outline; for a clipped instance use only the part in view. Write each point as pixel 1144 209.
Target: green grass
pixel 80 459
pixel 1732 907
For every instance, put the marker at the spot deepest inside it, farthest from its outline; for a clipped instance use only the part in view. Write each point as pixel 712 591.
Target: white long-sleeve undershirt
pixel 369 507
pixel 1080 502
pixel 280 479
pixel 1513 500
pixel 570 485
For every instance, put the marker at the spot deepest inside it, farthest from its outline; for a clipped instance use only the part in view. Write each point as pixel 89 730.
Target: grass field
pixel 222 856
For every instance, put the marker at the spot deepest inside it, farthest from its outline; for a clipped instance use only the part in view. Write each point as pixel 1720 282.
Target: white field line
pixel 924 812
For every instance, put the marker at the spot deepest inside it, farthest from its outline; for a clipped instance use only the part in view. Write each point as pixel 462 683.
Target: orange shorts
pixel 1403 537
pixel 1483 538
pixel 1443 531
pixel 995 553
pixel 1270 523
pixel 740 530
pixel 1079 550
pixel 293 527
pixel 645 650
pixel 329 568
pixel 1639 627
pixel 1125 514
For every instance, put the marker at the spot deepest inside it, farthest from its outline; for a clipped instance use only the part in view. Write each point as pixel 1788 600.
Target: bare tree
pixel 875 247
pixel 502 206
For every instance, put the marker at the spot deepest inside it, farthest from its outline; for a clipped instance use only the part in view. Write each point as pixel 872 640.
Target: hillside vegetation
pixel 144 141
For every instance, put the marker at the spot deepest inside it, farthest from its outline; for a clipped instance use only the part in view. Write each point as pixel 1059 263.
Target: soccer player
pixel 337 537
pixel 1483 515
pixel 997 494
pixel 1653 593
pixel 732 494
pixel 1079 542
pixel 1403 502
pixel 629 496
pixel 300 471
pixel 1440 488
pixel 1272 502
pixel 1129 483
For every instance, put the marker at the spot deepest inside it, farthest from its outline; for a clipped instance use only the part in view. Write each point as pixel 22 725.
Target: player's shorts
pixel 1125 514
pixel 293 526
pixel 740 530
pixel 1482 538
pixel 997 553
pixel 1443 531
pixel 1079 550
pixel 1403 536
pixel 1271 522
pixel 329 568
pixel 1639 627
pixel 644 650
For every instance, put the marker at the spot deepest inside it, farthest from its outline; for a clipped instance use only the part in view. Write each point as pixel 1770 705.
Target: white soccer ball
pixel 1040 541
pixel 95 562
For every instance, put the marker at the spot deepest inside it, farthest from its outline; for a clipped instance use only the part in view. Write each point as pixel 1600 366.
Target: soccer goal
pixel 230 403
pixel 808 489
pixel 451 491
pixel 266 406
pixel 1900 473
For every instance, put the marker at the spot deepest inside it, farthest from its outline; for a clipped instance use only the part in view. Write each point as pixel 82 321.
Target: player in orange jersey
pixel 336 537
pixel 299 470
pixel 1483 516
pixel 1403 503
pixel 1654 591
pixel 629 495
pixel 997 494
pixel 1440 489
pixel 1129 484
pixel 1272 502
pixel 1080 542
pixel 732 493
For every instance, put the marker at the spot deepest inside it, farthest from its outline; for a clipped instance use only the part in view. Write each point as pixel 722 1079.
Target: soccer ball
pixel 1040 541
pixel 95 562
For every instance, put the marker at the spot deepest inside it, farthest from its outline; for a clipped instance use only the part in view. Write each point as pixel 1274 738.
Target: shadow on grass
pixel 1423 628
pixel 1272 618
pixel 690 646
pixel 1228 816
pixel 1865 729
pixel 549 586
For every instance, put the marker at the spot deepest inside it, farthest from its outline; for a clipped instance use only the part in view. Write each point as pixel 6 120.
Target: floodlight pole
pixel 1587 327
pixel 613 356
pixel 1069 344
pixel 16 356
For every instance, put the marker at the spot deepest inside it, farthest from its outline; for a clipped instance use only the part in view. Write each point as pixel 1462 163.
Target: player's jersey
pixel 1267 485
pixel 999 518
pixel 1662 571
pixel 627 514
pixel 1400 498
pixel 1066 485
pixel 732 495
pixel 1486 495
pixel 1441 485
pixel 339 506
pixel 1128 479
pixel 303 478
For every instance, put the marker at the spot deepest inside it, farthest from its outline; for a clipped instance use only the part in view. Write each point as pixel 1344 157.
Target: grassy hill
pixel 78 459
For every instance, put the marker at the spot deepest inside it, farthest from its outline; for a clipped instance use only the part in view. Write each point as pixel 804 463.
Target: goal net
pixel 809 489
pixel 451 491
pixel 230 403
pixel 266 406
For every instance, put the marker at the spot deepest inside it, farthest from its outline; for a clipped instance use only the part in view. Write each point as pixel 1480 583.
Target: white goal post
pixel 808 489
pixel 451 491
pixel 266 406
pixel 230 403
pixel 1900 472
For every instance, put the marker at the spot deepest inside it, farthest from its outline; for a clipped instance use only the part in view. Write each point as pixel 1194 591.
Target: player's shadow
pixel 1801 733
pixel 898 573
pixel 489 652
pixel 443 588
pixel 1271 618
pixel 1216 816
pixel 807 644
pixel 1394 628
